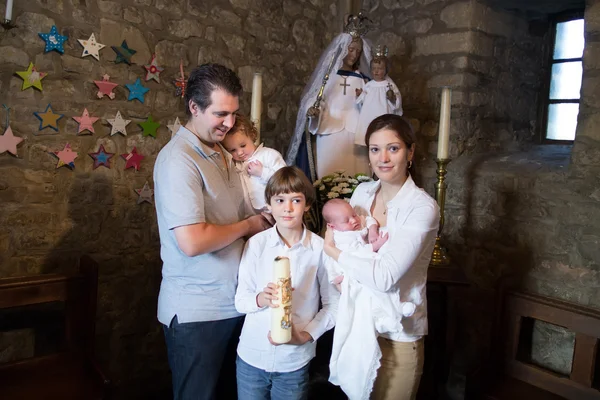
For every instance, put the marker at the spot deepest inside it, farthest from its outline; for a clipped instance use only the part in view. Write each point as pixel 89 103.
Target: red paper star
pixel 106 87
pixel 133 159
pixel 85 122
pixel 66 157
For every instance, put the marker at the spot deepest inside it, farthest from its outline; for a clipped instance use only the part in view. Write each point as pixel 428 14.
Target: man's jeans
pixel 255 384
pixel 202 358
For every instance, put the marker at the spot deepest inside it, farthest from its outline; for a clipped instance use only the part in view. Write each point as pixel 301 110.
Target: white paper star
pixel 91 47
pixel 145 194
pixel 118 125
pixel 174 127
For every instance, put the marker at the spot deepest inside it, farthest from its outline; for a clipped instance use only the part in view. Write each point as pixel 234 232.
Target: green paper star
pixel 124 53
pixel 149 126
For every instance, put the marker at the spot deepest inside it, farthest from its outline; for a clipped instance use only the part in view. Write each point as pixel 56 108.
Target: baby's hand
pixel 373 235
pixel 379 242
pixel 255 168
pixel 338 279
pixel 358 92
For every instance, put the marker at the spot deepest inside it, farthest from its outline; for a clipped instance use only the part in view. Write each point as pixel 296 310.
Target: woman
pixel 411 218
pixel 335 121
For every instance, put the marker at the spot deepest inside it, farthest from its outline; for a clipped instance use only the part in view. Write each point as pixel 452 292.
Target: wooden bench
pixel 72 372
pixel 511 376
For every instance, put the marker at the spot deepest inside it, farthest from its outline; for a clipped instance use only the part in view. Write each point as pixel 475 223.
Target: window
pixel 565 80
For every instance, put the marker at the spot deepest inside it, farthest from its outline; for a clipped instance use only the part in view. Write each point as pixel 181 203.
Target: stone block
pixel 459 42
pixel 416 26
pixel 15 56
pixel 453 80
pixel 185 28
pixel 143 2
pixel 77 65
pixel 133 15
pixel 395 43
pixel 235 43
pixel 83 15
pixel 274 110
pixel 398 4
pixel 474 15
pixel 110 8
pixel 210 33
pixel 588 123
pixel 113 33
pixel 152 20
pixel 302 34
pixel 29 25
pixel 226 17
pixel 171 53
pixel 592 18
pixel 173 7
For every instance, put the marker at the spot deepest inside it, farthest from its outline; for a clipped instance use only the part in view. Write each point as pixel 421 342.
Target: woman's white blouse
pixel 412 222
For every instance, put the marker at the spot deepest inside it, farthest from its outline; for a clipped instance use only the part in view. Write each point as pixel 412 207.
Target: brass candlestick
pixel 439 256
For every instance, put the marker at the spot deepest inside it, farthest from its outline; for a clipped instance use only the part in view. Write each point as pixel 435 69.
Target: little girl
pixel 254 164
pixel 379 96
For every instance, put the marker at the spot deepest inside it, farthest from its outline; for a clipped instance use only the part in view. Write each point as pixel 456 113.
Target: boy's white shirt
pixel 309 280
pixel 254 186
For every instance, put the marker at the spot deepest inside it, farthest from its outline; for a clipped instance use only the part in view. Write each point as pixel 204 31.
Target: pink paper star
pixel 9 142
pixel 153 70
pixel 66 157
pixel 106 87
pixel 85 122
pixel 133 159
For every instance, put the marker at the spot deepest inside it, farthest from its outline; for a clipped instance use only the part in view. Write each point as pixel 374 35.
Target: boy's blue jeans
pixel 202 358
pixel 256 384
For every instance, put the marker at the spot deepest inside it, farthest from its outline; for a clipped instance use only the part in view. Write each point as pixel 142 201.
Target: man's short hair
pixel 290 180
pixel 207 78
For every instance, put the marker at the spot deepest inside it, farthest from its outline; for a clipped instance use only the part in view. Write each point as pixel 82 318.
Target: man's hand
pixel 266 297
pixel 358 92
pixel 313 112
pixel 379 242
pixel 257 223
pixel 255 168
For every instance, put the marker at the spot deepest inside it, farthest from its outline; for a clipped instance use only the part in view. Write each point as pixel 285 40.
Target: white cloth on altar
pixel 336 127
pixel 373 102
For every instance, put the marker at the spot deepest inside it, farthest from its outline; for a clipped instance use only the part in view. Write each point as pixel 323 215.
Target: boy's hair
pixel 290 180
pixel 244 125
pixel 327 208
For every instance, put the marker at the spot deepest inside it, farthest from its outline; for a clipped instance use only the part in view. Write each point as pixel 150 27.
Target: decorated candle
pixel 256 104
pixel 444 133
pixel 281 317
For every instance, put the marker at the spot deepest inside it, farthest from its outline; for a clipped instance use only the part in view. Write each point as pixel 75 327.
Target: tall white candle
pixel 8 13
pixel 281 317
pixel 444 133
pixel 255 109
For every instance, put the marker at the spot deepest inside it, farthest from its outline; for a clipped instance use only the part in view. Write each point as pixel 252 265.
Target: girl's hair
pixel 290 180
pixel 244 125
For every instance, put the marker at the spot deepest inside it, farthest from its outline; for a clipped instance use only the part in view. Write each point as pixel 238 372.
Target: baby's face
pixel 378 70
pixel 344 218
pixel 239 146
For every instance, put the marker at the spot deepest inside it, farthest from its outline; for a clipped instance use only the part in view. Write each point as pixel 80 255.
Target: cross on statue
pixel 344 84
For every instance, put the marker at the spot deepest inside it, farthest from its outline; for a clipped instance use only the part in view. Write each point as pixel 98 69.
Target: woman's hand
pixel 329 246
pixel 266 297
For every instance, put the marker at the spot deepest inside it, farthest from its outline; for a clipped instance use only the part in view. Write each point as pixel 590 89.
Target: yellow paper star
pixel 31 77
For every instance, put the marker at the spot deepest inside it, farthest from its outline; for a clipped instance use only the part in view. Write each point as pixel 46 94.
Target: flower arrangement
pixel 338 185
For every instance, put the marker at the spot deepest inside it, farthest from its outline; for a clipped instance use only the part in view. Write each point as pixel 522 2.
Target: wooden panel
pixel 584 359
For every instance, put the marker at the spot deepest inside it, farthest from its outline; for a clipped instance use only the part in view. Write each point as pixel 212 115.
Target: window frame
pixel 554 20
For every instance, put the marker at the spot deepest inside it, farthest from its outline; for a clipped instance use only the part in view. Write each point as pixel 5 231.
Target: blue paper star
pixel 54 41
pixel 101 157
pixel 136 90
pixel 124 53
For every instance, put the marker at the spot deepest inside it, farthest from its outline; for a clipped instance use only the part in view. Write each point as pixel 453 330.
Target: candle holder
pixel 7 24
pixel 439 257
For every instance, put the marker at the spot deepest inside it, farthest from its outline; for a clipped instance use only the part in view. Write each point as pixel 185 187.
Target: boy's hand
pixel 298 338
pixel 358 92
pixel 373 233
pixel 379 242
pixel 266 297
pixel 255 168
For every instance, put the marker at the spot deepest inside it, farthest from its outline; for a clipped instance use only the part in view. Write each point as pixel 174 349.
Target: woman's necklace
pixel 384 202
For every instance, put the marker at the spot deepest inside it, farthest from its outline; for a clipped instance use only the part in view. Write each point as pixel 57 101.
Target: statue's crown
pixel 379 52
pixel 356 25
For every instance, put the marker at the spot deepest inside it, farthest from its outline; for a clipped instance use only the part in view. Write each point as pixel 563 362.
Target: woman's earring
pixel 409 164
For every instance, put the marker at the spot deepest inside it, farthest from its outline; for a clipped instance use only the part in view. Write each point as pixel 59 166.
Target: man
pixel 200 210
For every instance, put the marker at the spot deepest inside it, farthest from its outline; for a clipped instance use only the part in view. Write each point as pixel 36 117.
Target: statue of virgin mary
pixel 333 118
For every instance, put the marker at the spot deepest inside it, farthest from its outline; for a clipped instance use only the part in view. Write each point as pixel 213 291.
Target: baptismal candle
pixel 255 108
pixel 281 317
pixel 8 13
pixel 444 133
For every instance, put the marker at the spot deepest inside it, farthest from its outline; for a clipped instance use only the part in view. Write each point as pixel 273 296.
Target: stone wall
pixel 49 216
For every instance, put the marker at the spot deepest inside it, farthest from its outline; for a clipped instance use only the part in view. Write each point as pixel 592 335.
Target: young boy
pixel 254 164
pixel 349 234
pixel 266 370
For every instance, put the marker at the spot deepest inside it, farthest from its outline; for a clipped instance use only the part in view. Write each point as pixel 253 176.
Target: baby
pixel 349 234
pixel 254 164
pixel 379 96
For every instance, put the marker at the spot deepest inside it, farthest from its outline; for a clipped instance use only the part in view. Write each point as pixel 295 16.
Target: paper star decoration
pixel 31 77
pixel 149 126
pixel 54 40
pixel 91 47
pixel 174 127
pixel 145 194
pixel 101 157
pixel 136 90
pixel 180 82
pixel 153 70
pixel 9 142
pixel 119 125
pixel 48 118
pixel 65 156
pixel 133 159
pixel 105 87
pixel 124 53
pixel 86 123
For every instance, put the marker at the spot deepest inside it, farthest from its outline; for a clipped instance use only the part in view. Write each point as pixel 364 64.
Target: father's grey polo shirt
pixel 193 185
